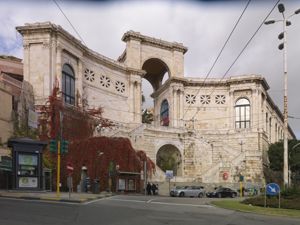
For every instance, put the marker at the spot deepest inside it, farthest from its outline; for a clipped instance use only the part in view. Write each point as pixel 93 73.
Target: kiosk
pixel 27 162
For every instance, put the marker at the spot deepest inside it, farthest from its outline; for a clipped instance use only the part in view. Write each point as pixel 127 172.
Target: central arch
pixel 156 72
pixel 168 157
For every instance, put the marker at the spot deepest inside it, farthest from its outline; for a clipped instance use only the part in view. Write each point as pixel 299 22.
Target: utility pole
pixel 58 154
pixel 283 46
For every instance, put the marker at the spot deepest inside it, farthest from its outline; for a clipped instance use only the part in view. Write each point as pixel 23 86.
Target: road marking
pixel 127 200
pixel 97 200
pixel 151 201
pixel 182 204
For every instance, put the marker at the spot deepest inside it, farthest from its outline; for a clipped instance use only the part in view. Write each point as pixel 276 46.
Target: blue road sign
pixel 272 189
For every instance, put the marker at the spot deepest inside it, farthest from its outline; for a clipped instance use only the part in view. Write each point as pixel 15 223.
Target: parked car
pixel 188 191
pixel 175 189
pixel 222 193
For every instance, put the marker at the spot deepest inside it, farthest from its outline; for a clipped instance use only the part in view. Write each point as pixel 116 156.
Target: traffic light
pixel 53 146
pixel 64 146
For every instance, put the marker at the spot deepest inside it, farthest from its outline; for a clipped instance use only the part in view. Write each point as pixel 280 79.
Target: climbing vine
pixel 77 125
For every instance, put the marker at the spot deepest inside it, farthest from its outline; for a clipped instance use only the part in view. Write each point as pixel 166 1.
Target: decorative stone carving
pixel 220 99
pixel 190 99
pixel 89 75
pixel 205 99
pixel 105 81
pixel 120 86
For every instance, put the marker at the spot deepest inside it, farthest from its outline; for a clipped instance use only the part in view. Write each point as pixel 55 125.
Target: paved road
pixel 129 210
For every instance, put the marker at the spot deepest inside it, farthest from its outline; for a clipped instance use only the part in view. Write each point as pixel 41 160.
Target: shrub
pixel 286 203
pixel 291 193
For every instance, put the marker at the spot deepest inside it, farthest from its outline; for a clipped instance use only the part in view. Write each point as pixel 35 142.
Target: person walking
pixel 148 188
pixel 153 188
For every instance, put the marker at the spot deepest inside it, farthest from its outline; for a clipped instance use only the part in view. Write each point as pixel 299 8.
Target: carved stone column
pixel 26 64
pixel 78 83
pixel 138 106
pixel 175 107
pixel 58 68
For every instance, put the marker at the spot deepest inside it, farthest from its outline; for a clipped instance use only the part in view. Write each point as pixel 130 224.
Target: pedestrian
pixel 153 188
pixel 148 188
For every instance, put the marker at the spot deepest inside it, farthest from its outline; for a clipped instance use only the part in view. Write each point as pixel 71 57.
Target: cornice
pixel 48 27
pixel 131 35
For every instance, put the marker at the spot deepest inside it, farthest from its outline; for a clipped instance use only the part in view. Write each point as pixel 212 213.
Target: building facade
pixel 11 75
pixel 205 130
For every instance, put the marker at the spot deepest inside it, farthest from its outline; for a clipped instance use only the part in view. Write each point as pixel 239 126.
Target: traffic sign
pixel 169 174
pixel 272 189
pixel 70 168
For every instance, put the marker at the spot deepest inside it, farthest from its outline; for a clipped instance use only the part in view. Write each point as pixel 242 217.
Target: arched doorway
pixel 168 157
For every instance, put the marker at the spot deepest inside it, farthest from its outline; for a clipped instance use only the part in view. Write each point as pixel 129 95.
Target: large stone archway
pixel 140 49
pixel 168 157
pixel 155 72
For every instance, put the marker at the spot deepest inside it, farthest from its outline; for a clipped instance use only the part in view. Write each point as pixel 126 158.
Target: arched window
pixel 68 84
pixel 164 113
pixel 242 113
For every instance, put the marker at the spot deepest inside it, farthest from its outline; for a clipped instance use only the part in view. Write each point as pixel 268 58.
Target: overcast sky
pixel 202 26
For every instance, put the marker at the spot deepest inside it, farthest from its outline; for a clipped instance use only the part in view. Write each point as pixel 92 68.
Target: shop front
pixel 128 182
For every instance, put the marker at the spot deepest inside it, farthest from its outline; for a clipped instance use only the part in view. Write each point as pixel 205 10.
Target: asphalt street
pixel 129 210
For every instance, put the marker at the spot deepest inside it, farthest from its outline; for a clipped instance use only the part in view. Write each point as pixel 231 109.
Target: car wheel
pixel 219 195
pixel 233 195
pixel 181 194
pixel 200 195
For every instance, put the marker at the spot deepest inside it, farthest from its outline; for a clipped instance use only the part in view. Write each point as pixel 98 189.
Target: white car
pixel 188 191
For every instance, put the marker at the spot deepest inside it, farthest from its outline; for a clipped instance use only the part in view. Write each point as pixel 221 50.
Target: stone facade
pixel 212 137
pixel 11 75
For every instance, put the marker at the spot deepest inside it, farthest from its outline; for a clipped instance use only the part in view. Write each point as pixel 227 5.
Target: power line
pixel 293 117
pixel 207 75
pixel 248 42
pixel 228 39
pixel 69 21
pixel 250 39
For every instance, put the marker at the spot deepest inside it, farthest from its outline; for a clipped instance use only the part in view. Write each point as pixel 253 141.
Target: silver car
pixel 188 191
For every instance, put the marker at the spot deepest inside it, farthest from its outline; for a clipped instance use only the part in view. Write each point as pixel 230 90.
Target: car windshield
pixel 220 189
pixel 180 187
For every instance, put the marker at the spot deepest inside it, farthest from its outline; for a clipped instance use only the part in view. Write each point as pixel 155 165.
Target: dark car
pixel 222 193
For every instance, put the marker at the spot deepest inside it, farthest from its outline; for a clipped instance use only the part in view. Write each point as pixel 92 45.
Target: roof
pixel 154 41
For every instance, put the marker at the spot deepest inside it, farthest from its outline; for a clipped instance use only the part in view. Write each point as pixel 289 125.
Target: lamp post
pixel 283 46
pixel 98 155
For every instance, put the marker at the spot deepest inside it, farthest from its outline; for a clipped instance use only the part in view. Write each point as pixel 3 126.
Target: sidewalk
pixel 51 196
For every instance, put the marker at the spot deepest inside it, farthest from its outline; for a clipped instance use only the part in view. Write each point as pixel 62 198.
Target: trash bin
pixel 96 186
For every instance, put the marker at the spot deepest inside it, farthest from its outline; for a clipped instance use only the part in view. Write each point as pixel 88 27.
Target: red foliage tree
pixel 77 127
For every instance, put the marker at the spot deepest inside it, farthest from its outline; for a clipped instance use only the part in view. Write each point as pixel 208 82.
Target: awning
pixel 128 173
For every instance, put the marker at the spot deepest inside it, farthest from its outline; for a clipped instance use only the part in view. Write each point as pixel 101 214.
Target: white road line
pixel 151 201
pixel 182 204
pixel 97 200
pixel 127 200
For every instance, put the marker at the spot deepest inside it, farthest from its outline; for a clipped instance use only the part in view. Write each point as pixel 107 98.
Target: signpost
pixel 272 189
pixel 169 176
pixel 70 169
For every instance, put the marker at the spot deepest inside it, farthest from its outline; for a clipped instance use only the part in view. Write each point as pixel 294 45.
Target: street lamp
pixel 99 154
pixel 283 46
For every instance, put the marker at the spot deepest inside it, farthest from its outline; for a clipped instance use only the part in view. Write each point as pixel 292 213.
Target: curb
pixel 55 199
